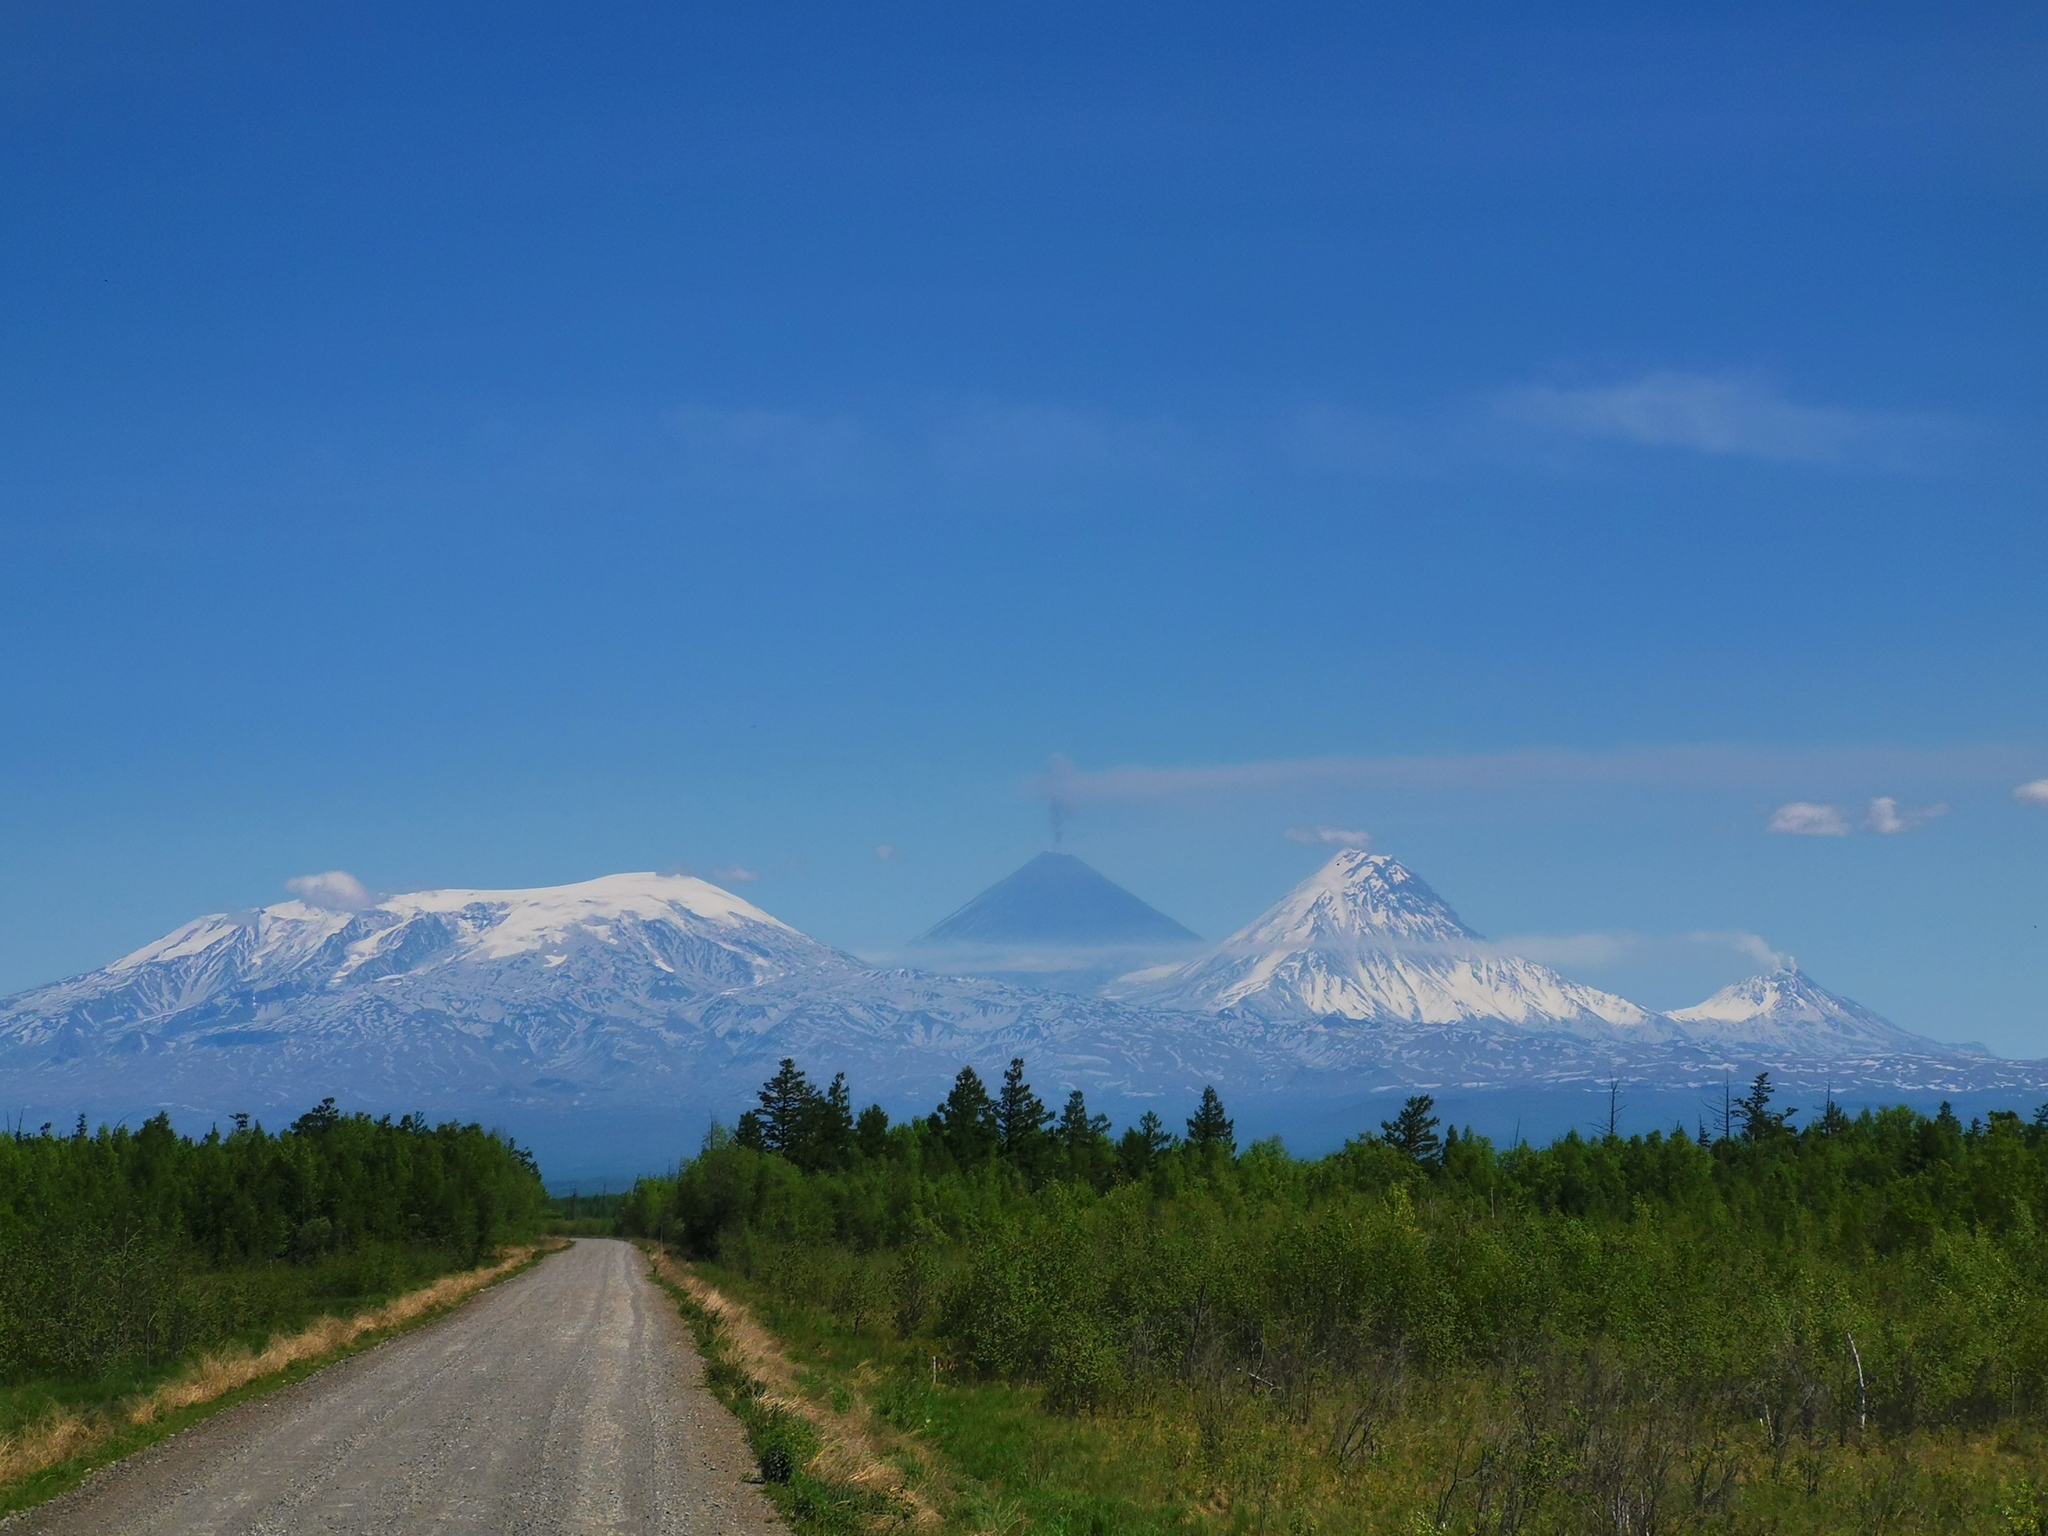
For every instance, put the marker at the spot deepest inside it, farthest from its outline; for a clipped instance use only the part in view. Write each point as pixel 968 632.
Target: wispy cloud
pixel 1069 787
pixel 1718 414
pixel 734 874
pixel 1329 837
pixel 335 890
pixel 2034 793
pixel 1888 818
pixel 888 853
pixel 1606 949
pixel 1804 818
pixel 765 451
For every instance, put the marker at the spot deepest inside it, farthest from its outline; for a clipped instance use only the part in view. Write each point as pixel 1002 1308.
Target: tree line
pixel 1618 1310
pixel 124 1248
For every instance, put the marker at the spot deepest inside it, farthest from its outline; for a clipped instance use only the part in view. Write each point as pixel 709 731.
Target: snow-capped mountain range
pixel 640 993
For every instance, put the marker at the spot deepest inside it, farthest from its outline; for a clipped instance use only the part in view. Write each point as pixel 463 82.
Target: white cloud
pixel 1604 950
pixel 734 874
pixel 1332 837
pixel 886 852
pixel 334 891
pixel 1691 766
pixel 1725 414
pixel 2035 793
pixel 1886 818
pixel 1802 818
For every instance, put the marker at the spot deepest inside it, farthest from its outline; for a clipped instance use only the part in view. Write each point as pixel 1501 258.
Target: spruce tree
pixel 1413 1131
pixel 1083 1139
pixel 1078 1130
pixel 1021 1119
pixel 1759 1121
pixel 788 1110
pixel 966 1122
pixel 871 1131
pixel 749 1132
pixel 828 1132
pixel 1209 1127
pixel 1143 1145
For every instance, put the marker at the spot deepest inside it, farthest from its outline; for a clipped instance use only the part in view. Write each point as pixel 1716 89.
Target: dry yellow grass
pixel 67 1434
pixel 851 1443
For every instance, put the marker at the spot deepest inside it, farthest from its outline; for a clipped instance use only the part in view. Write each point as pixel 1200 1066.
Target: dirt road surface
pixel 568 1399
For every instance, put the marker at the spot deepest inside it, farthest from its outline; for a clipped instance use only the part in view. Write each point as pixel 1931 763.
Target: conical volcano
pixel 1057 899
pixel 1788 1009
pixel 1363 938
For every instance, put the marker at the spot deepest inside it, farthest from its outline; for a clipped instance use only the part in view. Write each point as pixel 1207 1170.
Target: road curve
pixel 568 1399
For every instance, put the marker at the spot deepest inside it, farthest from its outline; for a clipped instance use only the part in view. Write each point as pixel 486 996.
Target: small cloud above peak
pixel 2034 793
pixel 1329 837
pixel 888 853
pixel 1803 818
pixel 1887 818
pixel 734 874
pixel 336 890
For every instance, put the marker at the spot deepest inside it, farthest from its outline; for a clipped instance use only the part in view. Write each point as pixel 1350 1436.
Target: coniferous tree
pixel 1078 1130
pixel 1143 1145
pixel 966 1122
pixel 1759 1121
pixel 871 1131
pixel 1209 1126
pixel 750 1133
pixel 789 1110
pixel 1413 1131
pixel 828 1133
pixel 1021 1119
pixel 1083 1139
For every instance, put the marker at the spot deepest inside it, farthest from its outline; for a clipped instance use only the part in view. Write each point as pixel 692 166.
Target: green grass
pixel 783 1443
pixel 25 1403
pixel 986 1454
pixel 992 1458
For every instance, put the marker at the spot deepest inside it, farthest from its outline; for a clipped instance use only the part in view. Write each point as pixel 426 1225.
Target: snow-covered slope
pixel 624 1010
pixel 1787 1010
pixel 648 988
pixel 1363 938
pixel 622 946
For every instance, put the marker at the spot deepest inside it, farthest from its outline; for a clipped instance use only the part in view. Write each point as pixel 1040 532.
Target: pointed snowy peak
pixel 1364 938
pixel 1358 895
pixel 1057 899
pixel 1786 1007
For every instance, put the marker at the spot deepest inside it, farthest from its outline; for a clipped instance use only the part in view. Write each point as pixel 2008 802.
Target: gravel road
pixel 568 1399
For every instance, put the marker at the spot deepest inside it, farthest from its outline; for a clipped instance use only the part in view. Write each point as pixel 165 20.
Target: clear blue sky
pixel 501 445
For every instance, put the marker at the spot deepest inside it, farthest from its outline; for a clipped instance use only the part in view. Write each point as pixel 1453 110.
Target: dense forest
pixel 1834 1324
pixel 122 1250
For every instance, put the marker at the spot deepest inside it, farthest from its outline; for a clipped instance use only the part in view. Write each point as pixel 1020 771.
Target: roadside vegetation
pixel 1792 1323
pixel 581 1215
pixel 134 1263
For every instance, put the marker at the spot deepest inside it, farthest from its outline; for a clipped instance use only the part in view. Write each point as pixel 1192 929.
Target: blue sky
pixel 505 445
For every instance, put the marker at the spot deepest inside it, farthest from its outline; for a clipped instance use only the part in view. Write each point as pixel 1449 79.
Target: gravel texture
pixel 568 1399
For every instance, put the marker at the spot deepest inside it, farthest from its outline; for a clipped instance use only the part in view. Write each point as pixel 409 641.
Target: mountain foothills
pixel 665 996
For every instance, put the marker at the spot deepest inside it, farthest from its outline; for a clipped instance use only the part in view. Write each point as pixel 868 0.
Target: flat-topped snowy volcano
pixel 1364 938
pixel 622 945
pixel 631 991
